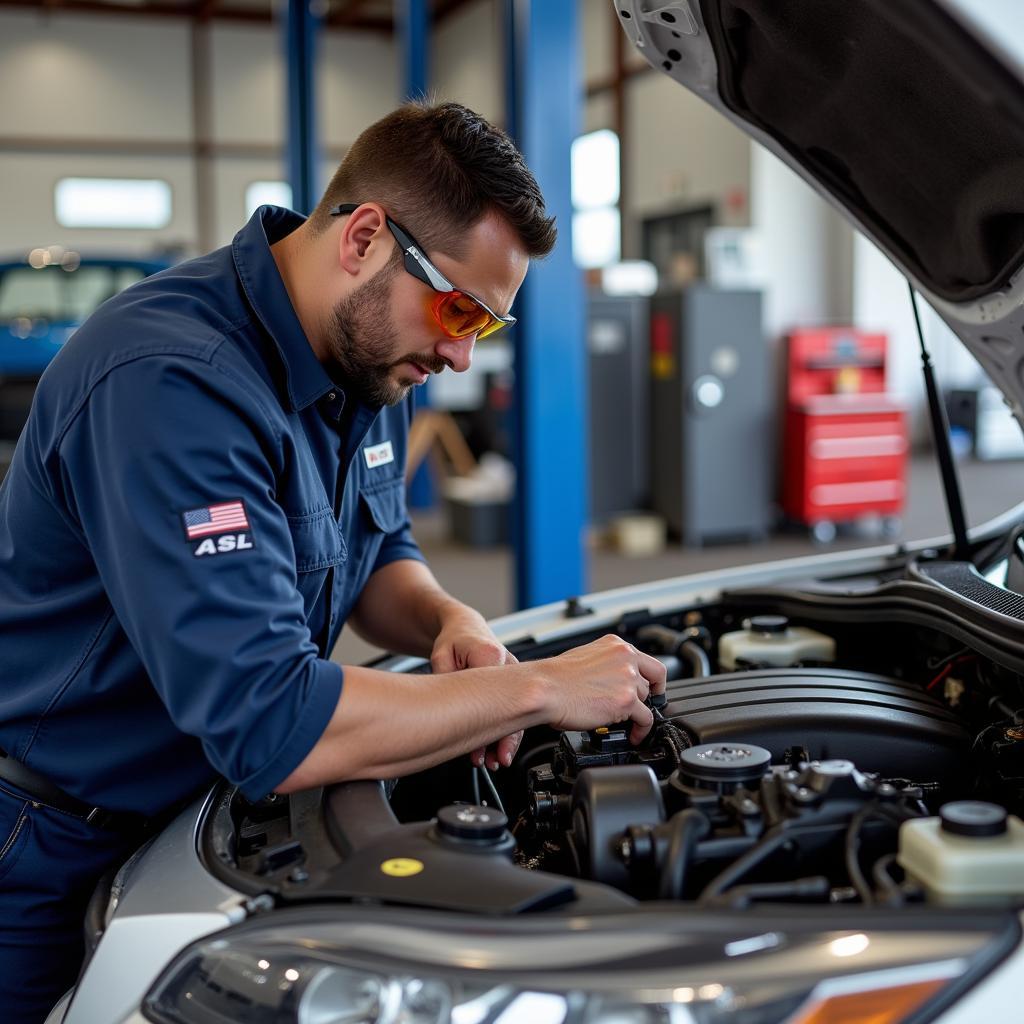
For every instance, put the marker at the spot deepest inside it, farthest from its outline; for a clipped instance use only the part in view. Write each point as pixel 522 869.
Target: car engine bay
pixel 799 755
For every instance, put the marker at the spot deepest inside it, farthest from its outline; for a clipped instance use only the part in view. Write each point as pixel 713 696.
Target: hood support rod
pixel 940 434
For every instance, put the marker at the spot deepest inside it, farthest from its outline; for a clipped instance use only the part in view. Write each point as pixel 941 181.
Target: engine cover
pixel 881 724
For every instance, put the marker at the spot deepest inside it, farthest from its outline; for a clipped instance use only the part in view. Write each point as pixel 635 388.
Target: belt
pixel 48 793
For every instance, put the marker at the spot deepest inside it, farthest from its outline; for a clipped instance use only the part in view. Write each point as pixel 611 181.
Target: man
pixel 210 485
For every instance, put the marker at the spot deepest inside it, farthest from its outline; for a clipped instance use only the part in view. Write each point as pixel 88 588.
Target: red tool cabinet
pixel 845 440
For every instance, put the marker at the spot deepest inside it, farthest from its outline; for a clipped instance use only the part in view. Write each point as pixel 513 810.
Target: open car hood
pixel 908 116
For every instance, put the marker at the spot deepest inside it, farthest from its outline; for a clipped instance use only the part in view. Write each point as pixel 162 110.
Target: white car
pixel 825 824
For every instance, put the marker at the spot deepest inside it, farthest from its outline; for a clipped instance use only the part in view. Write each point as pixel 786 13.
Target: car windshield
pixel 55 294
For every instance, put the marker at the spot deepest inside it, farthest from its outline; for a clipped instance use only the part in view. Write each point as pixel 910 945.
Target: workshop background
pixel 668 403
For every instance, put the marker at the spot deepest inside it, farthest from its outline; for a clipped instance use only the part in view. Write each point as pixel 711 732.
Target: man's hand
pixel 435 718
pixel 605 681
pixel 466 641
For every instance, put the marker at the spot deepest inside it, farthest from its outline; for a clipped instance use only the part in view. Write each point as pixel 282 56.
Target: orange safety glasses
pixel 458 313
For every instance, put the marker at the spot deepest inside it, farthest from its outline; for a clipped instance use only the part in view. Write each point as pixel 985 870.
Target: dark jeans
pixel 50 863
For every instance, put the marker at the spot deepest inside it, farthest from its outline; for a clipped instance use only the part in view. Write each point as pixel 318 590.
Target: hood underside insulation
pixel 895 109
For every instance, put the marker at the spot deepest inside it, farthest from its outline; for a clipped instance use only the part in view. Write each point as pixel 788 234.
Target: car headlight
pixel 310 971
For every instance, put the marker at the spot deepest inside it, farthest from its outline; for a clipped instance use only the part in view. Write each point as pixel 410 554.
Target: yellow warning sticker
pixel 402 867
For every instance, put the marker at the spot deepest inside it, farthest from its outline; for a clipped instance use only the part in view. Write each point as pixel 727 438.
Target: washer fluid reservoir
pixel 972 853
pixel 771 640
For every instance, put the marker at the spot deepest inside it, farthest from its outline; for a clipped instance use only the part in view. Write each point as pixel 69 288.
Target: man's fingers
pixel 443 660
pixel 485 655
pixel 643 719
pixel 653 671
pixel 507 748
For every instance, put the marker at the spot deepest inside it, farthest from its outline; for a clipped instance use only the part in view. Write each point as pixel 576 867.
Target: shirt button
pixel 331 396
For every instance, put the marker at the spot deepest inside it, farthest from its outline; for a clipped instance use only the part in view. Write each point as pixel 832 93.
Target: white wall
pixel 681 152
pixel 468 59
pixel 88 77
pixel 122 84
pixel 247 84
pixel 806 248
pixel 358 84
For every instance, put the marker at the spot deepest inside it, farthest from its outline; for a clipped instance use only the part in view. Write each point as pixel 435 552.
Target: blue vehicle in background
pixel 45 296
pixel 43 299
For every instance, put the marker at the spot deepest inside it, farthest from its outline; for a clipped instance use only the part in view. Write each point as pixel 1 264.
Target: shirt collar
pixel 306 378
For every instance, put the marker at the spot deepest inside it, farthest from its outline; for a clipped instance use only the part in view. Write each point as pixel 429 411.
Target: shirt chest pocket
pixel 317 541
pixel 383 503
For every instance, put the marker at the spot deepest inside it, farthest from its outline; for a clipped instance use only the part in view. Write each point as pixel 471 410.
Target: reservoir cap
pixel 472 821
pixel 768 625
pixel 717 763
pixel 973 818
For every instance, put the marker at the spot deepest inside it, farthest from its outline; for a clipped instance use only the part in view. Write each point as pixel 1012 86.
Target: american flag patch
pixel 210 519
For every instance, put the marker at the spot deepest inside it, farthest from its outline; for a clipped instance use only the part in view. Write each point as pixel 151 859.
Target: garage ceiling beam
pixel 443 9
pixel 165 9
pixel 349 14
pixel 345 14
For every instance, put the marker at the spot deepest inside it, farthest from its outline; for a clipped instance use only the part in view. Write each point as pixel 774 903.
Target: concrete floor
pixel 483 578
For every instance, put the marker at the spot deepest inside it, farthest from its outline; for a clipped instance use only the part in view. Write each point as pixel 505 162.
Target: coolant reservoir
pixel 771 640
pixel 972 853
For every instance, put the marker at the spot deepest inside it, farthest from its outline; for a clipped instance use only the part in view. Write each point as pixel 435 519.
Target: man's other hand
pixel 466 641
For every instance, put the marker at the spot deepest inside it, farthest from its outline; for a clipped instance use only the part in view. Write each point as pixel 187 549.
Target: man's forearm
pixel 402 608
pixel 387 725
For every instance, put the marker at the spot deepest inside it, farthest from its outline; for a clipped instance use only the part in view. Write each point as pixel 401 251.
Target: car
pixel 43 299
pixel 46 295
pixel 825 823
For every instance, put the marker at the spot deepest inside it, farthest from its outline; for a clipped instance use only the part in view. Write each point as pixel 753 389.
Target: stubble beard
pixel 363 342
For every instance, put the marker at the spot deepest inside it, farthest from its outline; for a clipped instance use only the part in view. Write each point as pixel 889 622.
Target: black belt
pixel 45 792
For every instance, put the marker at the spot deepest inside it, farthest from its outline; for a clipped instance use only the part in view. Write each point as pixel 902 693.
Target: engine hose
pixel 892 816
pixel 891 895
pixel 766 846
pixel 689 827
pixel 684 646
pixel 665 638
pixel 813 889
pixel 696 657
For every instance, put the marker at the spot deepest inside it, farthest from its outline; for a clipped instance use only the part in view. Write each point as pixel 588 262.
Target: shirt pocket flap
pixel 317 540
pixel 385 503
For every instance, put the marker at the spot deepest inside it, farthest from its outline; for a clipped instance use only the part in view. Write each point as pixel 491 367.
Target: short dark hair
pixel 437 170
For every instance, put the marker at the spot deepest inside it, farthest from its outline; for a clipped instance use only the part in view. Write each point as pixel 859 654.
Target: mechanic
pixel 210 485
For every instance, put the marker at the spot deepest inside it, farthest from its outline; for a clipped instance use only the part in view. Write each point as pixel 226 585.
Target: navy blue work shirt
pixel 191 513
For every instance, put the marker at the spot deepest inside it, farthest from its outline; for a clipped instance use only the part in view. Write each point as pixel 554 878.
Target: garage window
pixel 270 193
pixel 596 229
pixel 112 203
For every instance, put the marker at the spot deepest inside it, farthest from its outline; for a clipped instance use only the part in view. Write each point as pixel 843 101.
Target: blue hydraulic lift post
pixel 544 99
pixel 412 20
pixel 302 26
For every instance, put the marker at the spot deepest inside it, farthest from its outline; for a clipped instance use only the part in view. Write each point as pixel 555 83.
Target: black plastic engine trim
pixel 925 597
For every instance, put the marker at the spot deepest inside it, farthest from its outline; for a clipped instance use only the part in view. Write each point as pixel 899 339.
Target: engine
pixel 771 774
pixel 768 783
